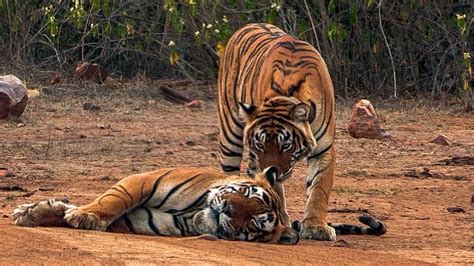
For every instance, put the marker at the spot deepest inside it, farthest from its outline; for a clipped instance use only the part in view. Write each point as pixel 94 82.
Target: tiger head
pixel 246 210
pixel 278 133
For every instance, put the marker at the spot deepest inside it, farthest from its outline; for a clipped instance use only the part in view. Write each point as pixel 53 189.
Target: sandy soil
pixel 58 149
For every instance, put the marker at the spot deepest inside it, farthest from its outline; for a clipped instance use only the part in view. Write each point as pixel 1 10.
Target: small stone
pixel 90 107
pixel 54 80
pixel 33 93
pixel 4 173
pixel 455 209
pixel 169 153
pixel 105 178
pixel 147 149
pixel 82 136
pixel 190 143
pixel 194 104
pixel 5 216
pixel 103 126
pixel 441 140
pixel 20 125
pixel 341 243
pixel 45 189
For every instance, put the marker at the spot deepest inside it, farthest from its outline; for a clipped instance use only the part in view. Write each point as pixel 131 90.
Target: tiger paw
pixel 46 212
pixel 318 232
pixel 80 219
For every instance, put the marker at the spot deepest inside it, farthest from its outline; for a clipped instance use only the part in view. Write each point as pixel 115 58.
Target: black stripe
pixel 178 225
pixel 228 168
pixel 155 185
pixel 196 204
pixel 129 223
pixel 325 127
pixel 228 152
pixel 150 222
pixel 319 153
pixel 173 190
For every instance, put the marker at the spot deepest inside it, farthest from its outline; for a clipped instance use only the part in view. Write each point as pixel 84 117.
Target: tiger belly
pixel 149 221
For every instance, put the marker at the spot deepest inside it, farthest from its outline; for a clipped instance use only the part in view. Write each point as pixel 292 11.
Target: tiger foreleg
pixel 44 213
pixel 280 190
pixel 318 186
pixel 252 169
pixel 126 195
pixel 231 150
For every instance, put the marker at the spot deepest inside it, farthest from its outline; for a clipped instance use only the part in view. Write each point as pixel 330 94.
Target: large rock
pixel 364 122
pixel 13 96
pixel 88 71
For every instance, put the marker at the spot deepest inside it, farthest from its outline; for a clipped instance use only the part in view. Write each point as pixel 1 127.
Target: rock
pixel 364 122
pixel 13 96
pixel 33 93
pixel 88 71
pixel 341 243
pixel 4 173
pixel 55 80
pixel 103 126
pixel 194 104
pixel 441 140
pixel 190 143
pixel 45 189
pixel 90 107
pixel 455 209
pixel 105 178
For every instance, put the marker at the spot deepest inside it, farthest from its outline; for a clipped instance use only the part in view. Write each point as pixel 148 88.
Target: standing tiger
pixel 276 98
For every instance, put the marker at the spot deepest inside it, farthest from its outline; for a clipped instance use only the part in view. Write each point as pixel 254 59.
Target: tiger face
pixel 246 210
pixel 278 133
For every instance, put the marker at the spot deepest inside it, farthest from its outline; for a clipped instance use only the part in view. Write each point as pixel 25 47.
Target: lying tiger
pixel 183 202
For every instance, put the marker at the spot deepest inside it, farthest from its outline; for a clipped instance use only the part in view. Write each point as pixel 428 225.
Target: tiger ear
pixel 246 111
pixel 271 174
pixel 301 112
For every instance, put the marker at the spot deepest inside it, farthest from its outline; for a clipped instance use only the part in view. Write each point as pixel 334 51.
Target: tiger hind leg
pixel 43 213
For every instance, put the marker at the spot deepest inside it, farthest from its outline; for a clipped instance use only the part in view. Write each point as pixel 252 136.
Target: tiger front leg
pixel 125 195
pixel 318 186
pixel 43 213
pixel 100 213
pixel 280 190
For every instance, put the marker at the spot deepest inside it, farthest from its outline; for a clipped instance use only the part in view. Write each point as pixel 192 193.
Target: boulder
pixel 364 122
pixel 13 96
pixel 441 140
pixel 89 71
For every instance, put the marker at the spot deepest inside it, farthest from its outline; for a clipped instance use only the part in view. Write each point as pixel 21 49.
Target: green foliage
pixel 431 42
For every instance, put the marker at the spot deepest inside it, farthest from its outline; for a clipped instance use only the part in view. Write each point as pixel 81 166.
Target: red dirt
pixel 57 149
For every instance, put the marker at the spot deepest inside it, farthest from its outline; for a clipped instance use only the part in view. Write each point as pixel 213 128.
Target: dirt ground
pixel 57 149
